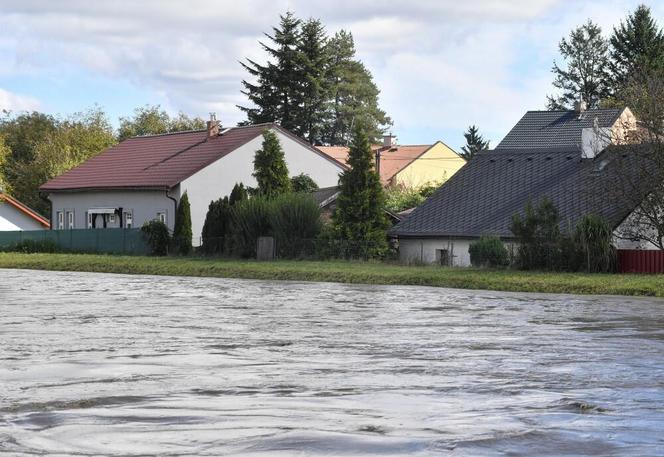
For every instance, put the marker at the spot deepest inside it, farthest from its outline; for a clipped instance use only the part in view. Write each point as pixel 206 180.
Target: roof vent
pixel 213 126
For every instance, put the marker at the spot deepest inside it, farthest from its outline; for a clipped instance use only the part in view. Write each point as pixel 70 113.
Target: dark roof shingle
pixel 551 129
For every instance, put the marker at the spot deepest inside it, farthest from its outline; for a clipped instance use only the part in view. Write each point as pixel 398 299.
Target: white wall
pixel 424 250
pixel 217 180
pixel 144 205
pixel 13 219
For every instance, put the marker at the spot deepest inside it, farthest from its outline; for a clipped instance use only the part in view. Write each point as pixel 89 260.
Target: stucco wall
pixel 144 205
pixel 436 165
pixel 12 219
pixel 425 250
pixel 217 180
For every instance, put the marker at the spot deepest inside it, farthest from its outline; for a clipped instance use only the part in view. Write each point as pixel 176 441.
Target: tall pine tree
pixel 474 143
pixel 353 94
pixel 270 168
pixel 276 93
pixel 637 47
pixel 360 213
pixel 585 76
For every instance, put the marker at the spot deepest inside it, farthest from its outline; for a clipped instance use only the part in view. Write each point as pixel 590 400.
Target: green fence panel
pixel 110 241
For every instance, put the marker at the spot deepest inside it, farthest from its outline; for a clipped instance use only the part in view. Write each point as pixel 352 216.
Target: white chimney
pixel 580 107
pixel 594 140
pixel 389 140
pixel 213 126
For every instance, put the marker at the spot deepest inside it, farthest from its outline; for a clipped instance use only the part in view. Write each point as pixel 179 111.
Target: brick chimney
pixel 389 140
pixel 213 126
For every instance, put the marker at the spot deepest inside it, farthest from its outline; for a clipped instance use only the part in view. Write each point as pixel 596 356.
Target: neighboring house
pixel 14 215
pixel 562 155
pixel 327 202
pixel 407 165
pixel 142 178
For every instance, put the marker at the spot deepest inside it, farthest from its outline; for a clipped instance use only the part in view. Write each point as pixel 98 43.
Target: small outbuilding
pixel 14 216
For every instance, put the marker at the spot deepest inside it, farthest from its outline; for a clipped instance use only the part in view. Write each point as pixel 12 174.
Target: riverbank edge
pixel 347 272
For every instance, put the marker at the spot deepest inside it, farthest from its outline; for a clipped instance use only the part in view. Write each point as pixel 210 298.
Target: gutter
pixel 175 205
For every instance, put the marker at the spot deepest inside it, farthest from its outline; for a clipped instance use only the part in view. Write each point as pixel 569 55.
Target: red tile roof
pixel 392 160
pixel 158 161
pixel 25 210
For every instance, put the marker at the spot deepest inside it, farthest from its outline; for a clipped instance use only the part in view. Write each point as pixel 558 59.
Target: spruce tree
pixel 182 233
pixel 313 67
pixel 276 93
pixel 585 76
pixel 637 47
pixel 474 143
pixel 360 213
pixel 270 168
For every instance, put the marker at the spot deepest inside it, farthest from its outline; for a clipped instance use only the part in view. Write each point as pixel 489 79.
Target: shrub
pixel 238 194
pixel 399 198
pixel 538 236
pixel 33 246
pixel 303 183
pixel 295 221
pixel 217 226
pixel 157 236
pixel 182 230
pixel 250 219
pixel 488 251
pixel 593 238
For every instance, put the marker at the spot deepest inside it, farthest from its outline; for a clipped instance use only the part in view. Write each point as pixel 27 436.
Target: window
pixel 111 218
pixel 61 220
pixel 129 219
pixel 70 220
pixel 161 216
pixel 89 219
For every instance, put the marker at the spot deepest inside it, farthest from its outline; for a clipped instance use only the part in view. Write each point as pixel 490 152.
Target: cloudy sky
pixel 440 64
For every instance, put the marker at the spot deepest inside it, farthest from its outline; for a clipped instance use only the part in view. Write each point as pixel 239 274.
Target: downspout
pixel 175 205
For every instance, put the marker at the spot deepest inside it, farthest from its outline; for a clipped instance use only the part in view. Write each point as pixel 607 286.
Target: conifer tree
pixel 270 168
pixel 182 233
pixel 585 76
pixel 276 93
pixel 474 143
pixel 360 213
pixel 216 226
pixel 637 47
pixel 238 194
pixel 313 67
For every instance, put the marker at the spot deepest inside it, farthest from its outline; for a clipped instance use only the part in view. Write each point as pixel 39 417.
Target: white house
pixel 567 156
pixel 14 215
pixel 142 178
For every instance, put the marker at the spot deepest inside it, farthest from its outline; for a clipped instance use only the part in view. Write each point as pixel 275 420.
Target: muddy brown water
pixel 115 365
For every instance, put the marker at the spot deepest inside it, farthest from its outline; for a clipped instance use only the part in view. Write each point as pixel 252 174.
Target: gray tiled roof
pixel 321 195
pixel 549 129
pixel 482 197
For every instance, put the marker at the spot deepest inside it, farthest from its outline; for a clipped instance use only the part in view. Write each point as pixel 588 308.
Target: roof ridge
pixel 152 135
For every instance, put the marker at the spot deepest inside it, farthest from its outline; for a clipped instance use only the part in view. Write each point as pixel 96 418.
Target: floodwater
pixel 114 365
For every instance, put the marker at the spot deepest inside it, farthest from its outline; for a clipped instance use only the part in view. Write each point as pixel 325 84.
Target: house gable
pixel 435 165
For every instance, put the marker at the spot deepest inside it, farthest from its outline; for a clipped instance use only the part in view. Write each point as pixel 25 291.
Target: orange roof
pixel 25 210
pixel 392 160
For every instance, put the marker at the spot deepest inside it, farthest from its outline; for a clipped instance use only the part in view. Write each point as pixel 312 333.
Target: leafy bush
pixel 488 251
pixel 399 198
pixel 593 238
pixel 33 246
pixel 217 226
pixel 294 219
pixel 250 219
pixel 182 233
pixel 156 234
pixel 303 183
pixel 429 188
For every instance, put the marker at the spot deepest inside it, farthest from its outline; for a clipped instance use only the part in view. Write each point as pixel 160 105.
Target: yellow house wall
pixel 436 165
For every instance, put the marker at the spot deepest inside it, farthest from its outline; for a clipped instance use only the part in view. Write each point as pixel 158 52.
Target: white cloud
pixel 15 102
pixel 441 64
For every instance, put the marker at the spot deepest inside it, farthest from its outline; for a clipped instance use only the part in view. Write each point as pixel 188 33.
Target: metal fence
pixel 108 241
pixel 640 261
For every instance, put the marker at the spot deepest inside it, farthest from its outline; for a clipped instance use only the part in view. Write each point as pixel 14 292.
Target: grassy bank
pixel 346 272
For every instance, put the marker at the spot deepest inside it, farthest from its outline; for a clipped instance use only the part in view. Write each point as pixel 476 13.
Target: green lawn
pixel 346 272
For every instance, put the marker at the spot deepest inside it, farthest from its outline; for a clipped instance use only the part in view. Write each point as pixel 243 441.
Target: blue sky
pixel 441 65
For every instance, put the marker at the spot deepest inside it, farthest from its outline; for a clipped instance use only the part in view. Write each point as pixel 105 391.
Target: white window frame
pixel 71 220
pixel 162 217
pixel 60 216
pixel 111 218
pixel 128 219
